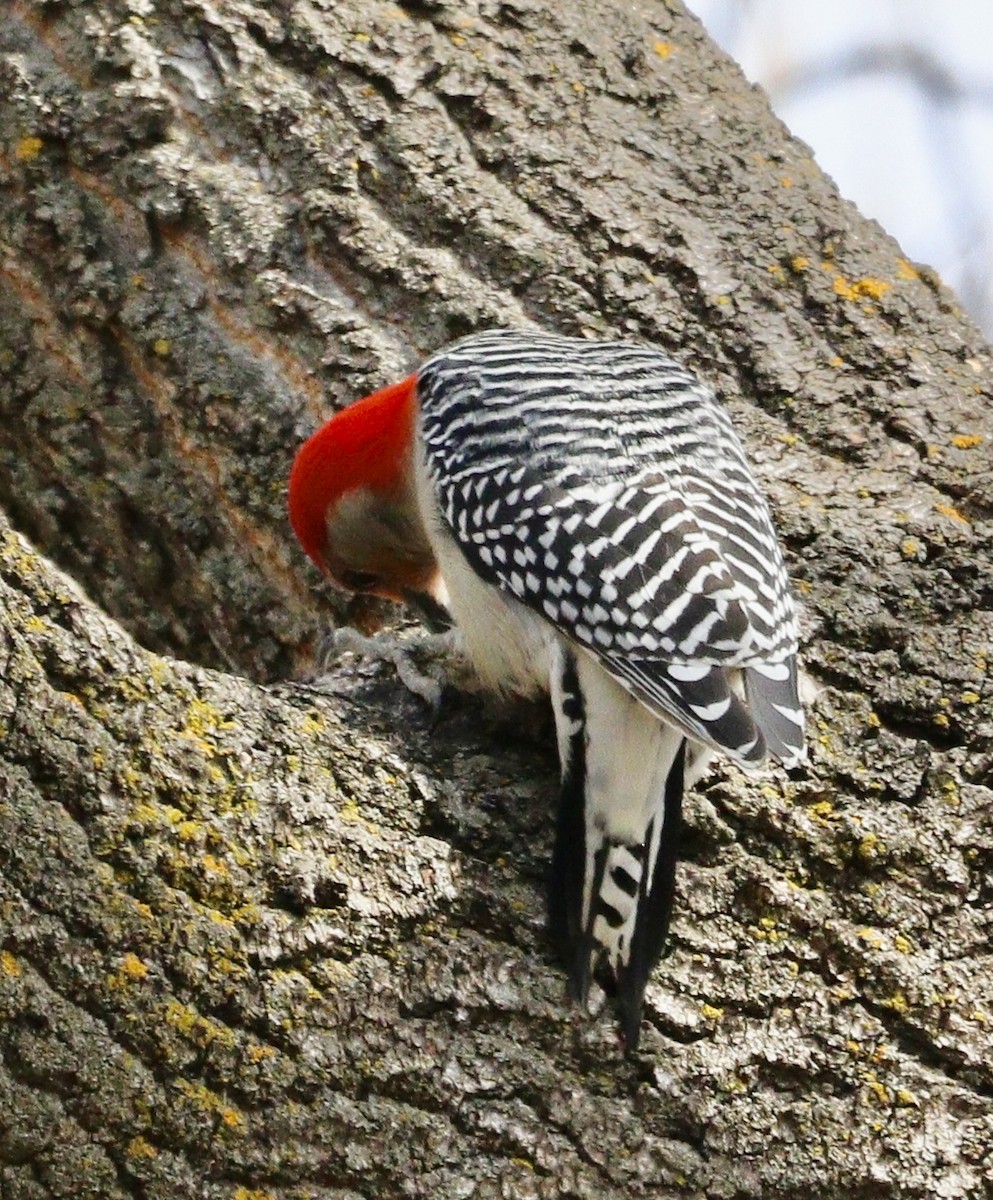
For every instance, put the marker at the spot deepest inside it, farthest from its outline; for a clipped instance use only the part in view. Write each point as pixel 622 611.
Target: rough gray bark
pixel 271 942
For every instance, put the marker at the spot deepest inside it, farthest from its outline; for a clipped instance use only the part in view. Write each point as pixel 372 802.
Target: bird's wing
pixel 613 498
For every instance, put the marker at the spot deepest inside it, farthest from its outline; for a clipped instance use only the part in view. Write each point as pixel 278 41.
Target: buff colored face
pixel 374 545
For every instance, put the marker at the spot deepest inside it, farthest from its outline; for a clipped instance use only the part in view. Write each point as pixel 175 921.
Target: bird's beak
pixel 432 612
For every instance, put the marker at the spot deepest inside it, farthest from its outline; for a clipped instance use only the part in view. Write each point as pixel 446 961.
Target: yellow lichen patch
pixel 905 1098
pixel 873 721
pixel 823 811
pixel 201 1030
pixel 18 554
pixel 132 966
pixel 799 263
pixel 244 1193
pixel 204 717
pixel 139 1148
pixel 970 697
pixel 879 1090
pixel 945 999
pixel 187 831
pixel 711 1012
pixel 220 918
pixel 841 285
pixel 788 439
pixel 967 441
pixel 786 181
pixel 897 1003
pixel 247 914
pixel 874 289
pixel 210 1102
pixel 941 720
pixel 950 792
pixel 203 721
pixel 906 270
pixel 28 149
pixel 870 847
pixel 456 39
pixel 9 964
pixel 162 347
pixel 225 965
pixel 767 931
pixel 948 510
pixel 130 970
pixel 257 1054
pixel 313 723
pixel 902 944
pixel 909 548
pixel 215 865
pixel 159 672
pixel 150 814
pixel 350 811
pixel 869 288
pixel 664 49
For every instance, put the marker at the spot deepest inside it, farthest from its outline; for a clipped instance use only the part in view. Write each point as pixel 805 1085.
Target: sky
pixel 895 97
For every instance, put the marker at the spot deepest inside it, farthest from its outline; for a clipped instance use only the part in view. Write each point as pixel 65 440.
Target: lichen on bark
pixel 278 939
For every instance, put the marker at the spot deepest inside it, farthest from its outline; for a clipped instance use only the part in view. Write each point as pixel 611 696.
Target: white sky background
pixel 895 97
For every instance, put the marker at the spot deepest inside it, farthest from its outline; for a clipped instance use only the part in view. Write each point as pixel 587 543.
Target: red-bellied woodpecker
pixel 585 511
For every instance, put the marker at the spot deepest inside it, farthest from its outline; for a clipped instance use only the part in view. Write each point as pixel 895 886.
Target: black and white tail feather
pixel 601 495
pixel 611 899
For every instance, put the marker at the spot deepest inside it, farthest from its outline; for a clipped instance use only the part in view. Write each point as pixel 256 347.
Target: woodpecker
pixel 585 512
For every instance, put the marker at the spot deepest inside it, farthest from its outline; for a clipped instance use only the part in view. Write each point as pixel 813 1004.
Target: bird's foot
pixel 411 656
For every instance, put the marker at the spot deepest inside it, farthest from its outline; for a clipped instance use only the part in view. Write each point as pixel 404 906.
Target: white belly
pixel 510 646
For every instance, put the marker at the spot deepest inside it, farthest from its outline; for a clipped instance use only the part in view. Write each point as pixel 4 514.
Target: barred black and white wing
pixel 602 486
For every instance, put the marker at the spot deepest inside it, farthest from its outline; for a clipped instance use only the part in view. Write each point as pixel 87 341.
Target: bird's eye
pixel 359 581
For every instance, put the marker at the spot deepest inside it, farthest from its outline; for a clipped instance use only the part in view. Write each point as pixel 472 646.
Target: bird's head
pixel 352 498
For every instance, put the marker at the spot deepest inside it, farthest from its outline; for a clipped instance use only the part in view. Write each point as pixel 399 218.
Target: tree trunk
pixel 285 940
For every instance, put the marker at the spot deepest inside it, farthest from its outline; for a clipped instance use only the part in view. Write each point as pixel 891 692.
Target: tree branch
pixel 286 941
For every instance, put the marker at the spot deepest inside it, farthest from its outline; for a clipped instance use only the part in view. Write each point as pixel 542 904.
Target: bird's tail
pixel 613 871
